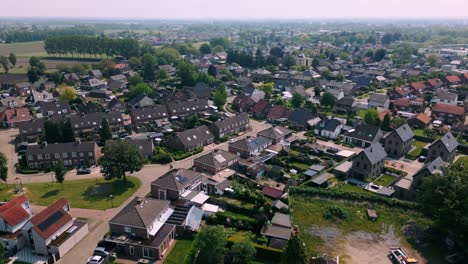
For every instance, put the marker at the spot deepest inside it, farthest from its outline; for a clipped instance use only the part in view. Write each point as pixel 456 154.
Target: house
pixel 418 87
pixel 12 102
pixel 452 80
pixel 95 73
pixel 363 135
pixel 272 192
pixel 32 130
pixel 11 117
pixel 42 96
pixel 140 101
pixel 173 184
pixel 398 142
pixel 445 147
pixel 201 90
pixel 407 188
pixel 409 106
pixel 345 105
pixel 260 109
pixel 299 119
pixel 278 113
pixel 140 229
pixel 338 94
pixel 278 231
pixel 89 123
pixel 189 107
pixel 448 114
pixel 329 128
pixel 419 121
pixel 72 154
pixel 444 97
pixel 144 145
pixel 275 133
pixel 400 92
pixel 243 103
pixel 147 115
pixel 52 232
pixel 93 84
pixel 59 108
pixel 116 105
pixel 14 214
pixel 191 139
pixel 23 89
pixel 369 162
pixel 435 83
pixel 231 125
pixel 379 101
pixel 215 161
pixel 247 147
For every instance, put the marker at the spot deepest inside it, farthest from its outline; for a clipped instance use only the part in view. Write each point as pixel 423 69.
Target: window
pixel 148 253
pixel 39 156
pixel 131 250
pixel 127 229
pixel 90 154
pixel 74 154
pixel 30 157
pixel 65 155
pixel 57 155
pixel 47 156
pixel 81 154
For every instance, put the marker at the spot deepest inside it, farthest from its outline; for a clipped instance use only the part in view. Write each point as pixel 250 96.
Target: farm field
pixel 24 49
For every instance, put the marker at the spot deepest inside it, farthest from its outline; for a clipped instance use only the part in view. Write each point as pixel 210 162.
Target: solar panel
pixel 219 158
pixel 182 179
pixel 50 220
pixel 278 131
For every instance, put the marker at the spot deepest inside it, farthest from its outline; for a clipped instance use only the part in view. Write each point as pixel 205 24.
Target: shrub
pixel 335 213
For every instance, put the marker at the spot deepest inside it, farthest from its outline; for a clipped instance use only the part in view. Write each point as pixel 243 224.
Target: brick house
pixel 445 147
pixel 249 147
pixel 369 162
pixel 448 114
pixel 215 161
pixel 174 183
pixel 363 135
pixel 191 139
pixel 148 115
pixel 398 142
pixel 11 117
pixel 189 107
pixel 230 125
pixel 275 133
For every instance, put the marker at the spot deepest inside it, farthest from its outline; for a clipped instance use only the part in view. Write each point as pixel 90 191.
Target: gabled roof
pixel 300 116
pixel 328 124
pixel 423 118
pixel 346 101
pixel 274 132
pixel 51 219
pixel 449 109
pixel 364 132
pixel 140 212
pixel 176 179
pixel 12 212
pixel 380 98
pixel 272 192
pixel 194 136
pixel 249 144
pixel 260 106
pixel 419 86
pixel 404 132
pixel 375 153
pixel 228 122
pixel 278 112
pixel 216 157
pixel 434 166
pixel 452 79
pixel 448 141
pixel 435 82
pixel 280 219
pixel 446 96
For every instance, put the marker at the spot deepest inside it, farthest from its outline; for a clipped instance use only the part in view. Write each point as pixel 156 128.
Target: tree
pixel 141 88
pixel 205 48
pixel 67 93
pixel 267 88
pixel 12 59
pixel 397 122
pixel 386 123
pixel 149 66
pixel 297 100
pixel 3 253
pixel 294 252
pixel 432 60
pixel 162 74
pixel 339 77
pixel 243 252
pixel 167 55
pixel 208 246
pixel 51 132
pixel 212 70
pixel 328 100
pixel 220 96
pixel 5 63
pixel 33 75
pixel 317 91
pixel 134 63
pixel 289 61
pixel 119 158
pixel 332 57
pixel 3 168
pixel 379 54
pixel 67 133
pixel 105 131
pixel 59 173
pixel 315 63
pixel 187 74
pixel 372 117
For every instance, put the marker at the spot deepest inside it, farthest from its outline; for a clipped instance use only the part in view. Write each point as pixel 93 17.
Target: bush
pixel 161 156
pixel 180 155
pixel 239 222
pixel 268 253
pixel 335 213
pixel 24 170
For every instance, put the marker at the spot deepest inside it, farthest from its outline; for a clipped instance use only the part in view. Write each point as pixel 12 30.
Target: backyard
pixel 86 193
pixel 352 235
pixel 385 180
pixel 179 251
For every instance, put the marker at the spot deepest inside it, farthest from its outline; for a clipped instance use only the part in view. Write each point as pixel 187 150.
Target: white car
pixel 96 260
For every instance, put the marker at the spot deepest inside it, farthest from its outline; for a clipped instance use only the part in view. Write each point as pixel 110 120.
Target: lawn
pixel 308 213
pixel 346 187
pixel 419 144
pixel 86 193
pixel 385 180
pixel 179 251
pixel 465 162
pixel 23 49
pixel 301 166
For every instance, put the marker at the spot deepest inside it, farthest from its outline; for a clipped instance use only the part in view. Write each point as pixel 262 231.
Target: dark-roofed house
pixel 173 184
pixel 144 145
pixel 398 142
pixel 140 229
pixel 140 101
pixel 148 115
pixel 260 109
pixel 116 105
pixel 32 130
pixel 23 89
pixel 243 103
pixel 91 122
pixel 230 125
pixel 72 154
pixel 345 105
pixel 201 90
pixel 249 147
pixel 278 231
pixel 329 128
pixel 215 161
pixel 191 139
pixel 448 114
pixel 275 133
pixel 363 135
pixel 444 97
pixel 445 147
pixel 60 108
pixel 92 84
pixel 379 101
pixel 278 113
pixel 272 192
pixel 369 162
pixel 189 107
pixel 299 119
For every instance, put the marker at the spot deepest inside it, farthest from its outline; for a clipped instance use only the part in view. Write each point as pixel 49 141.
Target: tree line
pixel 82 45
pixel 12 36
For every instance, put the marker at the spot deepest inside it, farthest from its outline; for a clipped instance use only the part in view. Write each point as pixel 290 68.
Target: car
pixel 83 171
pixel 96 260
pixel 422 158
pixel 101 251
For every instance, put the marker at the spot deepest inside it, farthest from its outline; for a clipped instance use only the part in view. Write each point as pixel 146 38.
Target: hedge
pixel 423 139
pixel 23 170
pixel 359 197
pixel 180 155
pixel 243 223
pixel 240 209
pixel 264 252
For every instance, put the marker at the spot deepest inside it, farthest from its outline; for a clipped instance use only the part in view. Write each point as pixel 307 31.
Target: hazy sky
pixel 235 9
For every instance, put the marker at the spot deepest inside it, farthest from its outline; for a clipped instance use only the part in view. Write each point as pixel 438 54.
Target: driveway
pixel 7 146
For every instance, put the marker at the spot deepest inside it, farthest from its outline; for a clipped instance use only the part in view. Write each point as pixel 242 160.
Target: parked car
pixel 83 171
pixel 422 158
pixel 101 251
pixel 96 260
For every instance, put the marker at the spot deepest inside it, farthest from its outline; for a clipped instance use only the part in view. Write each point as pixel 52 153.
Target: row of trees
pixel 247 59
pixel 82 45
pixel 35 34
pixel 5 62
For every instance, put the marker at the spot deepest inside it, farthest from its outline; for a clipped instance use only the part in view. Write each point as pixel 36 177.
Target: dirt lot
pixel 23 63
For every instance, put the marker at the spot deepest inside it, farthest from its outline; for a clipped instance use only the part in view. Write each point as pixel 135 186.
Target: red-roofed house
pixel 13 216
pixel 243 103
pixel 419 121
pixel 465 77
pixel 384 113
pixel 418 87
pixel 435 83
pixel 11 116
pixel 453 80
pixel 410 106
pixel 272 192
pixel 261 108
pixel 278 113
pixel 400 92
pixel 448 114
pixel 53 231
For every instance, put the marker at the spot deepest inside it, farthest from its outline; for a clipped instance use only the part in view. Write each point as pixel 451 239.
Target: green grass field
pixel 465 162
pixel 24 49
pixel 86 193
pixel 385 180
pixel 179 251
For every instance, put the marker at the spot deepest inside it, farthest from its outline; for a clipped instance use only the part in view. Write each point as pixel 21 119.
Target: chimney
pixel 140 200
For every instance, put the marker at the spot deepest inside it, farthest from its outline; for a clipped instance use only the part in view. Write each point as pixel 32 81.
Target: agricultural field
pixel 341 228
pixel 23 49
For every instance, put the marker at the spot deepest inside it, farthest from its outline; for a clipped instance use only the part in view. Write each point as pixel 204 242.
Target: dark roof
pixel 87 146
pixel 227 122
pixel 434 166
pixel 140 212
pixel 328 124
pixel 216 157
pixel 346 101
pixel 176 179
pixel 364 132
pixel 95 119
pixel 375 153
pixel 404 132
pixel 380 98
pixel 274 132
pixel 202 90
pixel 449 142
pixel 249 144
pixel 140 98
pixel 178 107
pixel 278 112
pixel 300 116
pixel 194 136
pixel 150 113
pixel 280 219
pixel 60 107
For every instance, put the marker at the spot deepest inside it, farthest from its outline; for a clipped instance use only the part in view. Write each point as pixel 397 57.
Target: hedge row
pixel 359 197
pixel 241 223
pixel 179 155
pixel 264 252
pixel 240 209
pixel 423 139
